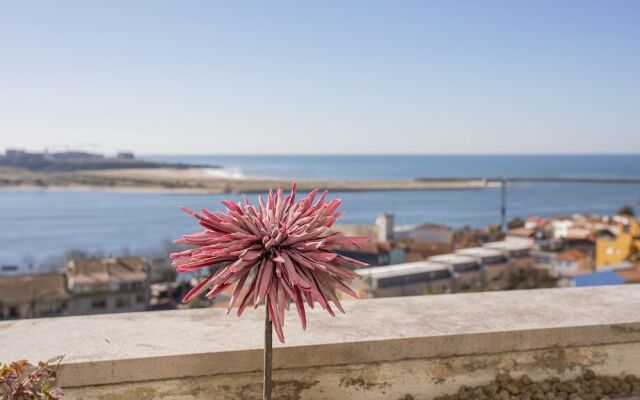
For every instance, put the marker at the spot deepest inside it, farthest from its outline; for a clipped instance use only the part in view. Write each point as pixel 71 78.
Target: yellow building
pixel 620 248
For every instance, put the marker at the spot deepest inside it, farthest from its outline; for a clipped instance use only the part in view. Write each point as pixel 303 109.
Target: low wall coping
pixel 115 348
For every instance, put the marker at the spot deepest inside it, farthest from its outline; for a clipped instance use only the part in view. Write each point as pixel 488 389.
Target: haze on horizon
pixel 358 77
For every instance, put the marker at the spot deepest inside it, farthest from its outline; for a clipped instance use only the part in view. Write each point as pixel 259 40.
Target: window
pixel 45 309
pixel 494 260
pixel 99 304
pixel 101 287
pixel 140 299
pixel 13 312
pixel 466 267
pixel 122 302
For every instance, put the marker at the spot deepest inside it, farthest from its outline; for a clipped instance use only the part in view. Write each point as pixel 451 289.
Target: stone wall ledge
pixel 118 348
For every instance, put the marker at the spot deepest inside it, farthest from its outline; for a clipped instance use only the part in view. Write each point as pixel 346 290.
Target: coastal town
pixel 298 200
pixel 535 252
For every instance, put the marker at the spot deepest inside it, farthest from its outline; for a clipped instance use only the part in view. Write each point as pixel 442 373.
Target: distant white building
pixel 495 266
pixel 468 271
pixel 408 279
pixel 427 233
pixel 518 252
pixel 384 227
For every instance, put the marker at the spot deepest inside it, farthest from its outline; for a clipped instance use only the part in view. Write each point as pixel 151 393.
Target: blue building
pixel 598 279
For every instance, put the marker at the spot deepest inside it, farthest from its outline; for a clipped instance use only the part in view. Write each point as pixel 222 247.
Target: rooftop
pixel 599 279
pixel 118 270
pixel 571 255
pixel 479 252
pixel 432 226
pixel 522 232
pixel 452 258
pixel 370 247
pixel 625 265
pixel 632 274
pixel 26 288
pixel 354 229
pixel 401 269
pixel 510 245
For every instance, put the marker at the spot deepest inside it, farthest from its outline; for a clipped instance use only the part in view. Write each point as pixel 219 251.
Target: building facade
pixel 467 271
pixel 33 296
pixel 626 243
pixel 495 266
pixel 408 279
pixel 518 252
pixel 108 285
pixel 427 233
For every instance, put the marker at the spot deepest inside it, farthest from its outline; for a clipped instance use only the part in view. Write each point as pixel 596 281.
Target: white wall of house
pixel 431 235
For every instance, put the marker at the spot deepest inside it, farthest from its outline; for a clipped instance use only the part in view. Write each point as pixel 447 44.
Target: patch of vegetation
pixel 626 210
pixel 21 380
pixel 530 279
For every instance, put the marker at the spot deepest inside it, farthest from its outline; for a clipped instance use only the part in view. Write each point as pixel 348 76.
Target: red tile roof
pixel 571 255
pixel 631 275
pixel 522 232
pixel 116 270
pixel 26 288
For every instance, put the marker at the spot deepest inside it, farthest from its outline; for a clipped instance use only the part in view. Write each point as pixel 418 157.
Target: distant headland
pixel 81 161
pixel 77 170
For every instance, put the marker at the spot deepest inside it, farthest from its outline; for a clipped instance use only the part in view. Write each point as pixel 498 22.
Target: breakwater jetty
pixel 534 179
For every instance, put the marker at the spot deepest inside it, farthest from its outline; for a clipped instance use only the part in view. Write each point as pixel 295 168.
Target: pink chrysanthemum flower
pixel 282 247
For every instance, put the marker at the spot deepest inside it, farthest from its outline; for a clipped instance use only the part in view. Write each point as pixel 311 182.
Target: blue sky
pixel 243 77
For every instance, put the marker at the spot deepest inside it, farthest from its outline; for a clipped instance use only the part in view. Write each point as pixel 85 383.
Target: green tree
pixel 515 223
pixel 626 210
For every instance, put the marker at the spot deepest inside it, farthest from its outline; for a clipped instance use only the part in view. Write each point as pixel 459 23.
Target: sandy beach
pixel 196 180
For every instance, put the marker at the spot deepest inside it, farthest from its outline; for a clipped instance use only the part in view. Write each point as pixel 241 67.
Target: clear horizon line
pixel 349 154
pixel 391 154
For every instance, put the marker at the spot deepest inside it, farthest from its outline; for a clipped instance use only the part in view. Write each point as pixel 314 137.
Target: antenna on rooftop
pixel 503 206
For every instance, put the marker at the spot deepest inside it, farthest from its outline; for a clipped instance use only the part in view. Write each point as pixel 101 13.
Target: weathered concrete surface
pixel 423 378
pixel 113 349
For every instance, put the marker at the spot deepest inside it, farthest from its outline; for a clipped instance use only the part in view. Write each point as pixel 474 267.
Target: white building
pixel 517 251
pixel 467 270
pixel 428 233
pixel 495 266
pixel 384 227
pixel 415 278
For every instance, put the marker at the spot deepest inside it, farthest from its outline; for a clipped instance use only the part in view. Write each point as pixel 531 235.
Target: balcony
pixel 381 349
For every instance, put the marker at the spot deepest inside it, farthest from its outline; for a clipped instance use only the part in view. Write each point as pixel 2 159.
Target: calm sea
pixel 36 225
pixel 415 166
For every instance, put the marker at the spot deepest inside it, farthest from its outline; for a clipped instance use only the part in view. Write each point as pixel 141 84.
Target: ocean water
pixel 396 167
pixel 36 225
